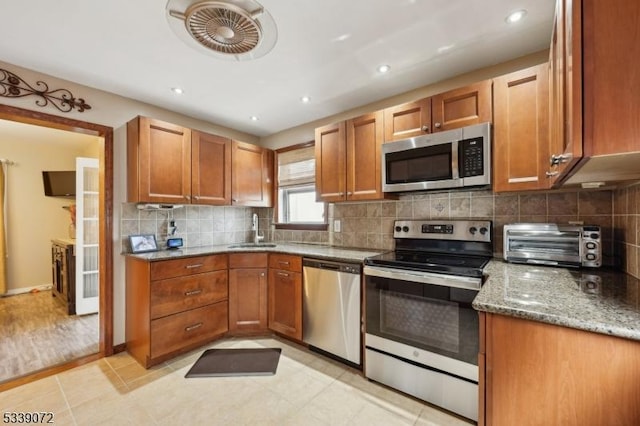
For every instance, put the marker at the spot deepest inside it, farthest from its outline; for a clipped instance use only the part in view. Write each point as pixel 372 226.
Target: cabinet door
pixel 407 120
pixel 187 329
pixel 330 162
pixel 462 107
pixel 364 141
pixel 210 169
pixel 558 376
pixel 252 170
pixel 520 130
pixel 611 78
pixel 565 68
pixel 285 302
pixel 158 162
pixel 247 300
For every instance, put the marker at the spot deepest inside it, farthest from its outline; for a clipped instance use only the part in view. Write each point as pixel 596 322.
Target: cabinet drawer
pixel 172 333
pixel 187 266
pixel 248 260
pixel 180 294
pixel 285 262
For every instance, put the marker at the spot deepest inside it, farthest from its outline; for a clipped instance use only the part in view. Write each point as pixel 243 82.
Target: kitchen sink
pixel 251 245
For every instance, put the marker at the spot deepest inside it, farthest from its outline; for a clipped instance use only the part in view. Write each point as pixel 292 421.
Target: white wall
pixel 34 219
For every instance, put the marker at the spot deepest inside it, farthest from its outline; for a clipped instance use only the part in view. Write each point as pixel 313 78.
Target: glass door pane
pixel 87 236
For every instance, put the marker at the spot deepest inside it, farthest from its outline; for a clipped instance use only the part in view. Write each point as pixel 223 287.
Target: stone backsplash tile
pixel 370 224
pixel 563 204
pixel 626 228
pixel 533 204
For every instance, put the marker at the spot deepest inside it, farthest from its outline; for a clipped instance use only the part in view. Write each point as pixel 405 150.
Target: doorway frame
pixel 105 347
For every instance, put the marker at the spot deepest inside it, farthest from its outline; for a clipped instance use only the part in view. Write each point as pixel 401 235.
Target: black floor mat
pixel 236 362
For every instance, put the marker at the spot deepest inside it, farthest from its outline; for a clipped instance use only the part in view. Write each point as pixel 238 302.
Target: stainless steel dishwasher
pixel 331 308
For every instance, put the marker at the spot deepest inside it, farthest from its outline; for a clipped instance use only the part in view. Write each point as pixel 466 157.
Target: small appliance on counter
pixel 553 244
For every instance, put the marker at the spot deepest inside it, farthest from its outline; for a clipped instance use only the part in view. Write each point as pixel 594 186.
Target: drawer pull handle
pixel 195 265
pixel 193 292
pixel 283 262
pixel 193 327
pixel 283 274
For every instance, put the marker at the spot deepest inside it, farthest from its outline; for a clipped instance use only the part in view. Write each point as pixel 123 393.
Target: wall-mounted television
pixel 59 183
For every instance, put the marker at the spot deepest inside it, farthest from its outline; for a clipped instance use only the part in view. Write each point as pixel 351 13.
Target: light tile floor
pixel 307 389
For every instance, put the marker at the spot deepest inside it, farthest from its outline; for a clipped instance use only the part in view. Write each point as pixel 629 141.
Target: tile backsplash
pixel 370 224
pixel 626 225
pixel 197 225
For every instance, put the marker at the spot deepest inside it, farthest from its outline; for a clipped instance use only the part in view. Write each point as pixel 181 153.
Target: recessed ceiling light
pixel 383 69
pixel 253 118
pixel 342 37
pixel 305 99
pixel 516 16
pixel 177 90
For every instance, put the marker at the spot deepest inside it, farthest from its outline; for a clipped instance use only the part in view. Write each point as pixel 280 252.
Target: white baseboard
pixel 42 287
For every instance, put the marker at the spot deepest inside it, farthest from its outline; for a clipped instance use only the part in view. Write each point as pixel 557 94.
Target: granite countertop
pixel 305 250
pixel 597 300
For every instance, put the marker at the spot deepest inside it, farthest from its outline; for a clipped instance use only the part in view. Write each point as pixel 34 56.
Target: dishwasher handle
pixel 350 268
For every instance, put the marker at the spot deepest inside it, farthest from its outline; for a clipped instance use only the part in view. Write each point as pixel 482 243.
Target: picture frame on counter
pixel 143 243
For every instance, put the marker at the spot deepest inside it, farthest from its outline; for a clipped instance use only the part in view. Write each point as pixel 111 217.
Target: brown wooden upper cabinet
pixel 348 156
pixel 407 120
pixel 167 163
pixel 594 109
pixel 210 169
pixel 252 181
pixel 520 130
pixel 158 162
pixel 449 110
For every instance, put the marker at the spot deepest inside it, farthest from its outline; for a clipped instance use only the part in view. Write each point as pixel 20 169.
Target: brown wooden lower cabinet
pixel 248 293
pixel 174 305
pixel 285 295
pixel 543 374
pixel 172 333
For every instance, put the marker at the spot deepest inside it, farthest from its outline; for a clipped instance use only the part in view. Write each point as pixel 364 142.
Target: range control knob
pixel 595 236
pixel 473 230
pixel 398 229
pixel 405 229
pixel 591 245
pixel 483 230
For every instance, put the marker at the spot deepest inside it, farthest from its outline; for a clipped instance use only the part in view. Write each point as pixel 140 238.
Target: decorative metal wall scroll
pixel 12 86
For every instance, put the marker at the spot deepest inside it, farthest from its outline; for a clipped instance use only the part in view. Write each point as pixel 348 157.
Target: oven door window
pixel 431 317
pixel 419 164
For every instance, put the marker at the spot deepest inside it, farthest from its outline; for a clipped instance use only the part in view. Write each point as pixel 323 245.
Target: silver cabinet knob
pixel 551 174
pixel 437 125
pixel 425 128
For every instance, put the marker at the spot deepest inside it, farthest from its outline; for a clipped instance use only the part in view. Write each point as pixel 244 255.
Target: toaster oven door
pixel 543 247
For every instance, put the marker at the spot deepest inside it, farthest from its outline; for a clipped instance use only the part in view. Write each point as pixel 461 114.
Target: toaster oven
pixel 553 244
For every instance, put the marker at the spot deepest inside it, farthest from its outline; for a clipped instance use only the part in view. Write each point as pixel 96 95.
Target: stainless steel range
pixel 421 333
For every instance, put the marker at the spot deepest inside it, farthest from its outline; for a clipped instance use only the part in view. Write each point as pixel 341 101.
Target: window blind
pixel 296 167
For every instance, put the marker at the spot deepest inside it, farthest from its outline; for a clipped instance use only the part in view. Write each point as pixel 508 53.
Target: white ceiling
pixel 326 49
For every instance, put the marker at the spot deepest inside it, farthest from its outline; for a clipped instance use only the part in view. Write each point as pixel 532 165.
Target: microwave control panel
pixel 471 157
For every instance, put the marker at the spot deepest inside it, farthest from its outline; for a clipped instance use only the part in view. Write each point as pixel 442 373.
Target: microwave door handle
pixel 455 153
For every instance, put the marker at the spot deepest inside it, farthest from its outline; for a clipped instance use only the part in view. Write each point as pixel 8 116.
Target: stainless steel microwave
pixel 450 159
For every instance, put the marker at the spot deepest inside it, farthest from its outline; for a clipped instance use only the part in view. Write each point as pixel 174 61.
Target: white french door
pixel 87 235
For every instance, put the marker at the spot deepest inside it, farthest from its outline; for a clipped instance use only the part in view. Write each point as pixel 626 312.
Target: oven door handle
pixel 469 283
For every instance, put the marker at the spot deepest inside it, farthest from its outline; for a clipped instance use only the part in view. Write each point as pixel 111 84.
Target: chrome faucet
pixel 256 236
